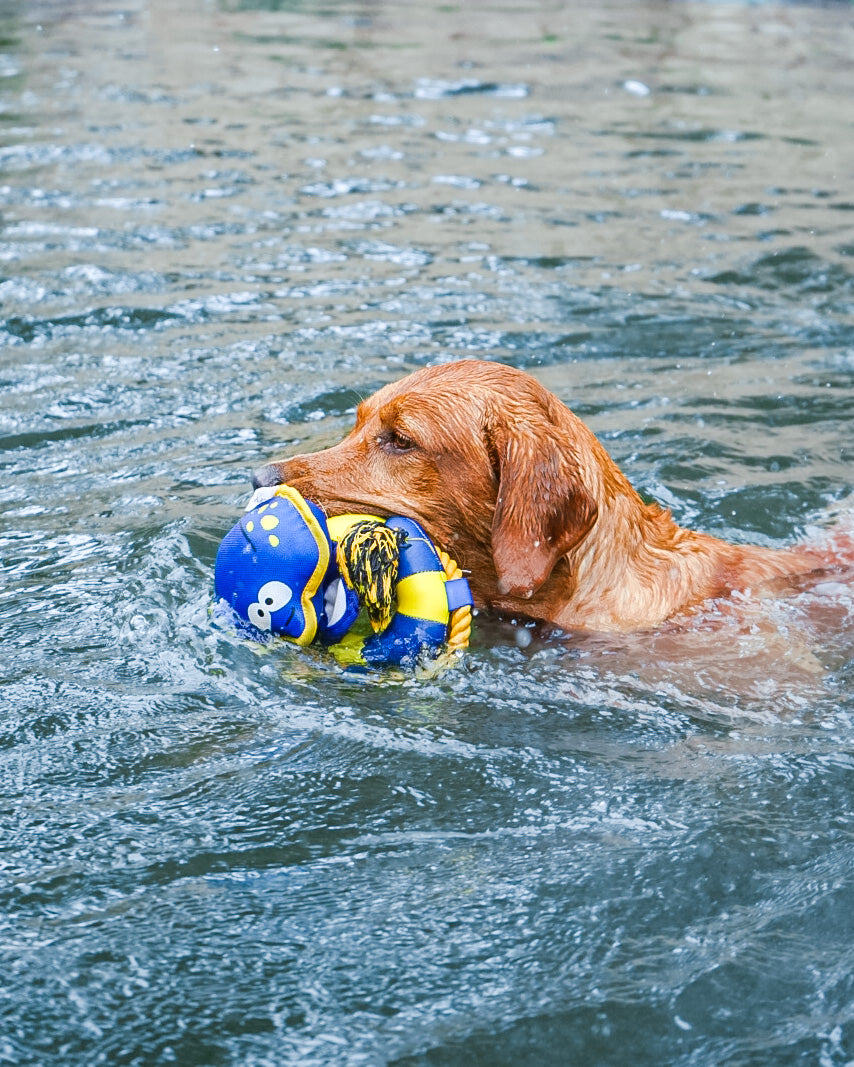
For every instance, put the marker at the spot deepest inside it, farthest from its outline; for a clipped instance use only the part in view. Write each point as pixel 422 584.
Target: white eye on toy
pixel 335 601
pixel 271 597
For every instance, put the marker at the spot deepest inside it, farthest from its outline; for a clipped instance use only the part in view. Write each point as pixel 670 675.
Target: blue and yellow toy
pixel 287 570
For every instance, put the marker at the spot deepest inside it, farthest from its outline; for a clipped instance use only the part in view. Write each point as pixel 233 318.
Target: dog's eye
pixel 395 441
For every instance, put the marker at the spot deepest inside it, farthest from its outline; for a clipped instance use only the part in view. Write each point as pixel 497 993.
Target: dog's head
pixel 493 466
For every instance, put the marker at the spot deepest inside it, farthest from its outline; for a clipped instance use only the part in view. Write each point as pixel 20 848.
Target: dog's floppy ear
pixel 543 508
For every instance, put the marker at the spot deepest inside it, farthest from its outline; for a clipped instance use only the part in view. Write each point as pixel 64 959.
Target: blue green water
pixel 221 225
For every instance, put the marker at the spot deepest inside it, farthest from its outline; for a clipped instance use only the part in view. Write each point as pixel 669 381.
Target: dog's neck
pixel 638 567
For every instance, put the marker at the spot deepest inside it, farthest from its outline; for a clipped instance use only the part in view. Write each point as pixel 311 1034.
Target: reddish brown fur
pixel 517 489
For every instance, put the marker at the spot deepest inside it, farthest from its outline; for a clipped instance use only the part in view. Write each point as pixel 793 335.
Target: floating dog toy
pixel 286 569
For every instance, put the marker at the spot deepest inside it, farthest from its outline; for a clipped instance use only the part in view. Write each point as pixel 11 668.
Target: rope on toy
pixel 459 626
pixel 368 558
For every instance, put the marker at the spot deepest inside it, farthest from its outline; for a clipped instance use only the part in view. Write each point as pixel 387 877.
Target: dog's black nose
pixel 266 475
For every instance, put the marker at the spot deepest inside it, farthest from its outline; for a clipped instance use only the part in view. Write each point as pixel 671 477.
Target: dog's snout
pixel 267 475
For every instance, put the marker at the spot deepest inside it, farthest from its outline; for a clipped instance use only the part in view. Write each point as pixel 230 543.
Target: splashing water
pixel 221 227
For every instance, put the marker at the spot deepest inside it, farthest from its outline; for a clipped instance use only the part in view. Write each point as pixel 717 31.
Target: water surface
pixel 221 225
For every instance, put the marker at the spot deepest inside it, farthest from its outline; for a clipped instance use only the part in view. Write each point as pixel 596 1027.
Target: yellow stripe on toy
pixel 313 583
pixel 423 596
pixel 338 525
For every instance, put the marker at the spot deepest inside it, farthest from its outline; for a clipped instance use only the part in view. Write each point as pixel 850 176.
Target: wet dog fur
pixel 520 492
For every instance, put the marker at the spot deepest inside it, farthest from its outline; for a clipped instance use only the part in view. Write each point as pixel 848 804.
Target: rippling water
pixel 220 226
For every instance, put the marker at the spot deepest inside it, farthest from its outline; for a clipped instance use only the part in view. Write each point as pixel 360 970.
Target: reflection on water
pixel 220 226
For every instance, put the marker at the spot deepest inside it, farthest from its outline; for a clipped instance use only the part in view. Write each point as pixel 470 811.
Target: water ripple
pixel 217 238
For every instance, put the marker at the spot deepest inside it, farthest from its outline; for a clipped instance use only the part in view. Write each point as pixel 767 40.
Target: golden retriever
pixel 510 483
